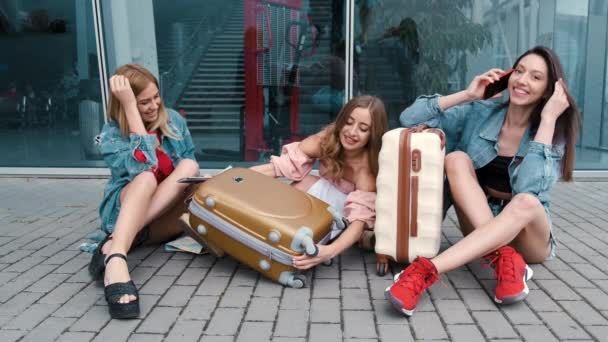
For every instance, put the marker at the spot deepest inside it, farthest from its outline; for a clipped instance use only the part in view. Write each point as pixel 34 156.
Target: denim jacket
pixel 118 153
pixel 474 128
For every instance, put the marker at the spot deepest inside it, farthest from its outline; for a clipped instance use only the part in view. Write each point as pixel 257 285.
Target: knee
pixel 526 204
pixel 146 179
pixel 189 167
pixel 457 162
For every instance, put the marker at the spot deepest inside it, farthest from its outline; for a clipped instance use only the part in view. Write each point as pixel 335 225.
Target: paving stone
pixel 159 321
pixel 395 333
pixel 464 333
pixel 440 291
pixel 255 331
pixel 377 287
pixel 140 275
pixel 573 279
pixel 595 297
pixel 62 293
pixel 477 300
pixel 359 324
pixel 213 286
pixel 325 310
pixel 225 321
pixel 30 318
pixel 354 279
pixel 19 303
pixel 328 272
pixel 48 283
pixel 563 326
pixel 208 338
pixel 520 313
pixel 75 337
pixel 223 268
pixel 494 325
pixel 558 290
pixel 295 299
pixel 267 288
pixel 80 303
pixel 200 308
pixel 535 333
pixel 117 330
pixel 463 279
pixel 538 301
pixel 583 313
pixel 600 333
pixel 156 259
pixel 93 320
pixel 184 331
pixel 386 314
pixel 355 299
pixel 236 297
pixel 146 304
pixel 453 312
pixel 192 276
pixel 11 335
pixel 177 296
pixel 292 323
pixel 263 309
pixel 49 329
pixel 326 288
pixel 157 285
pixel 145 338
pixel 325 332
pixel 244 276
pixel 173 268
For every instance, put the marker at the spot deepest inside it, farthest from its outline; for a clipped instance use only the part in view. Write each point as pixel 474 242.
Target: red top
pixel 165 165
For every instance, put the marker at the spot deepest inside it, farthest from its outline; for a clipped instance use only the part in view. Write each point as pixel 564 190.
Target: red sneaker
pixel 405 292
pixel 511 272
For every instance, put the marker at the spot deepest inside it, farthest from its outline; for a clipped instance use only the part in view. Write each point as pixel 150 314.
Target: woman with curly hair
pixel 347 151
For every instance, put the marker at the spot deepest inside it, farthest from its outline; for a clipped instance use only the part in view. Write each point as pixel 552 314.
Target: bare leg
pixel 142 201
pixel 523 222
pixel 469 199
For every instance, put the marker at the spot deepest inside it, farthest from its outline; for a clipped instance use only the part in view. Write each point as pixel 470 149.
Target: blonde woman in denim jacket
pixel 147 148
pixel 520 147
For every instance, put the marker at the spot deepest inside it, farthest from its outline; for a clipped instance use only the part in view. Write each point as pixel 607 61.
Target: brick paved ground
pixel 46 293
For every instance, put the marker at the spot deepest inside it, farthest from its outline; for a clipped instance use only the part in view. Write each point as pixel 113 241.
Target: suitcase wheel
pixel 299 281
pixel 381 265
pixel 303 242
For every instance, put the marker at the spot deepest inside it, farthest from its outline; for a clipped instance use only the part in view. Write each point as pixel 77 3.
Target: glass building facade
pixel 251 75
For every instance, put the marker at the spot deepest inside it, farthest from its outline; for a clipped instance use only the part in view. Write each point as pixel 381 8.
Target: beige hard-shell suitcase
pixel 409 199
pixel 260 221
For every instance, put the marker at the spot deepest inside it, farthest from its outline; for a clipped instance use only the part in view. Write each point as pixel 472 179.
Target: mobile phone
pixel 497 86
pixel 193 180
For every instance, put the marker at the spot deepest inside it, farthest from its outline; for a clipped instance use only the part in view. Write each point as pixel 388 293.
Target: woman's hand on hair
pixel 121 89
pixel 478 85
pixel 557 103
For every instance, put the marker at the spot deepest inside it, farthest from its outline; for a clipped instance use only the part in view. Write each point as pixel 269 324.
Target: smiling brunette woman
pixel 507 157
pixel 347 151
pixel 147 148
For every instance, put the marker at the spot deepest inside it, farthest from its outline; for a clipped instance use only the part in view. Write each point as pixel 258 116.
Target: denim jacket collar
pixel 492 129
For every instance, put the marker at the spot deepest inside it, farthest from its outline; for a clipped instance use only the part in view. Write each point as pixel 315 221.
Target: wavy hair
pixel 332 152
pixel 139 78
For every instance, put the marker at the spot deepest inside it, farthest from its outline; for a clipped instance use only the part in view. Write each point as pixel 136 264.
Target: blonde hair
pixel 332 152
pixel 139 79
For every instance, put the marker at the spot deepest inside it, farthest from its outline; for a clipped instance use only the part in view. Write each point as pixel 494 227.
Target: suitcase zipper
pixel 235 233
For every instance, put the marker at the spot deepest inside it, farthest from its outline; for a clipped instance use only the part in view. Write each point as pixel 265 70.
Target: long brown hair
pixel 332 152
pixel 139 78
pixel 569 123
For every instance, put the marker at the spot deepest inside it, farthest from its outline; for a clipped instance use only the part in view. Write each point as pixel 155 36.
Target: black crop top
pixel 495 175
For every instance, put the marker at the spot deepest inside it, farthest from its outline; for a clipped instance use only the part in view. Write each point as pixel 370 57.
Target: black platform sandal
pixel 97 265
pixel 114 292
